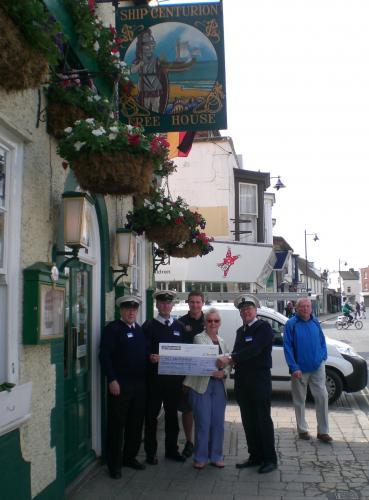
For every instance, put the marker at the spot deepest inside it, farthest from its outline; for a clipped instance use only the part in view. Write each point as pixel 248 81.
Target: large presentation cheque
pixel 187 359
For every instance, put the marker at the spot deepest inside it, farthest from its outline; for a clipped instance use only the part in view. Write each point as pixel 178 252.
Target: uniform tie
pixel 167 322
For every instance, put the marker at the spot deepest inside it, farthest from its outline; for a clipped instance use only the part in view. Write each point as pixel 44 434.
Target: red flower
pixel 65 165
pixel 134 140
pixel 112 29
pixel 178 220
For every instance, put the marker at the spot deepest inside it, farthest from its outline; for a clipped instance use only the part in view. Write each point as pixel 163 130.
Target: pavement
pixel 306 470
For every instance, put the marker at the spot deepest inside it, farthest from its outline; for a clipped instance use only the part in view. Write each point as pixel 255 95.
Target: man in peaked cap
pixel 123 358
pixel 162 389
pixel 252 360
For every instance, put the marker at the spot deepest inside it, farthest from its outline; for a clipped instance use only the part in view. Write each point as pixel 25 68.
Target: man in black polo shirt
pixel 252 359
pixel 123 358
pixel 194 324
pixel 162 389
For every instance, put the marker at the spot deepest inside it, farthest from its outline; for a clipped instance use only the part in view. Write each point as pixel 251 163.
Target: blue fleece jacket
pixel 304 344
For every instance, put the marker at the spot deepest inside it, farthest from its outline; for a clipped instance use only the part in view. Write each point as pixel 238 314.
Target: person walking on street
pixel 305 351
pixel 357 310
pixel 123 358
pixel 252 359
pixel 162 389
pixel 194 323
pixel 289 309
pixel 363 310
pixel 208 399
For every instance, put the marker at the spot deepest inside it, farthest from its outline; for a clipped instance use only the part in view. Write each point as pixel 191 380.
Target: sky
pixel 297 74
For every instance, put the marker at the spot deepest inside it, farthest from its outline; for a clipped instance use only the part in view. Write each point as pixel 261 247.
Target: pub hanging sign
pixel 175 56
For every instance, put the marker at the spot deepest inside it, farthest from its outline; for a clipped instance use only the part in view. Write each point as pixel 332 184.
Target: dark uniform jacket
pixel 157 333
pixel 123 352
pixel 253 348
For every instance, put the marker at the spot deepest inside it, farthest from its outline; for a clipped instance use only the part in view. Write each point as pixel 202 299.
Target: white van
pixel 345 369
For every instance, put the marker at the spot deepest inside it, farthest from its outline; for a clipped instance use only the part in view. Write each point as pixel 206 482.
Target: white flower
pixel 180 214
pixel 78 145
pixel 77 122
pixel 90 121
pixel 129 128
pixel 146 202
pixel 68 130
pixel 99 131
pixel 96 46
pixel 89 98
pixel 193 240
pixel 115 130
pixel 112 137
pixel 168 217
pixel 96 97
pixel 159 210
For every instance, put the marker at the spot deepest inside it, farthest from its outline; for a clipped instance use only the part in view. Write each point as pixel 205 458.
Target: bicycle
pixel 343 322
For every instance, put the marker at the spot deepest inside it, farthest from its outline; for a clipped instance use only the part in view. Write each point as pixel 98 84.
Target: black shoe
pixel 134 464
pixel 177 457
pixel 152 460
pixel 248 463
pixel 115 474
pixel 267 467
pixel 188 450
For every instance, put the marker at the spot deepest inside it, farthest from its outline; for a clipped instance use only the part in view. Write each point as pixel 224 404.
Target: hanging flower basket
pixel 197 246
pixel 117 160
pixel 113 172
pixel 70 100
pixel 187 251
pixel 170 224
pixel 21 66
pixel 169 234
pixel 61 115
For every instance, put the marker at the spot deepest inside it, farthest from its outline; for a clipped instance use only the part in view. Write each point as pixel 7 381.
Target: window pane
pixel 2 176
pixel 248 199
pixel 2 218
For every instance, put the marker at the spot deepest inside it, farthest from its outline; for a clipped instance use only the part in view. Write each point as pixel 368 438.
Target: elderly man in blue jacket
pixel 305 351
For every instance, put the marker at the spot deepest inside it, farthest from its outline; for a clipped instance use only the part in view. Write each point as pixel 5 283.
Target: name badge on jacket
pixel 248 339
pixel 177 334
pixel 129 335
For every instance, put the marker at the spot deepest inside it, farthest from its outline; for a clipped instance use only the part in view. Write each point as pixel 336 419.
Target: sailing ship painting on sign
pixel 176 71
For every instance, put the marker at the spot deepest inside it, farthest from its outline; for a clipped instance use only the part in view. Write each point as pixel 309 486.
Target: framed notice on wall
pixel 175 55
pixel 52 300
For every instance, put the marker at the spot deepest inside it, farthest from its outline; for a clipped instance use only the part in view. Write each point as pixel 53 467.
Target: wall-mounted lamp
pixel 279 184
pixel 126 248
pixel 77 211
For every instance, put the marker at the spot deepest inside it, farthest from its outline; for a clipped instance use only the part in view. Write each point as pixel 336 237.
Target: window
pixel 248 211
pixel 136 270
pixel 10 217
pixel 348 289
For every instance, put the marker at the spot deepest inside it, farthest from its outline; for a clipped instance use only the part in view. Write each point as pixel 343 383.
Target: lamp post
pixel 340 279
pixel 306 259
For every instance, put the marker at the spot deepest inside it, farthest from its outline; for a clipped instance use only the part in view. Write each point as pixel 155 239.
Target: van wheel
pixel 333 384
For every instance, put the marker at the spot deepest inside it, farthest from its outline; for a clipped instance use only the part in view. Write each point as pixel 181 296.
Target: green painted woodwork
pixel 35 277
pixel 149 303
pixel 57 8
pixel 15 471
pixel 77 372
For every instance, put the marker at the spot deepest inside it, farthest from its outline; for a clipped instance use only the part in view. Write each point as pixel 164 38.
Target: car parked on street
pixel 345 369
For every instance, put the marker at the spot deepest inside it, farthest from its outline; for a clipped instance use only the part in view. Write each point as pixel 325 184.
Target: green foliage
pixel 38 26
pixel 100 42
pixel 92 136
pixel 68 89
pixel 6 386
pixel 159 209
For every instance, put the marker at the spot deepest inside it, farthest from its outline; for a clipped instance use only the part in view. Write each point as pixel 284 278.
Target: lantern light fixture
pixel 77 213
pixel 126 249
